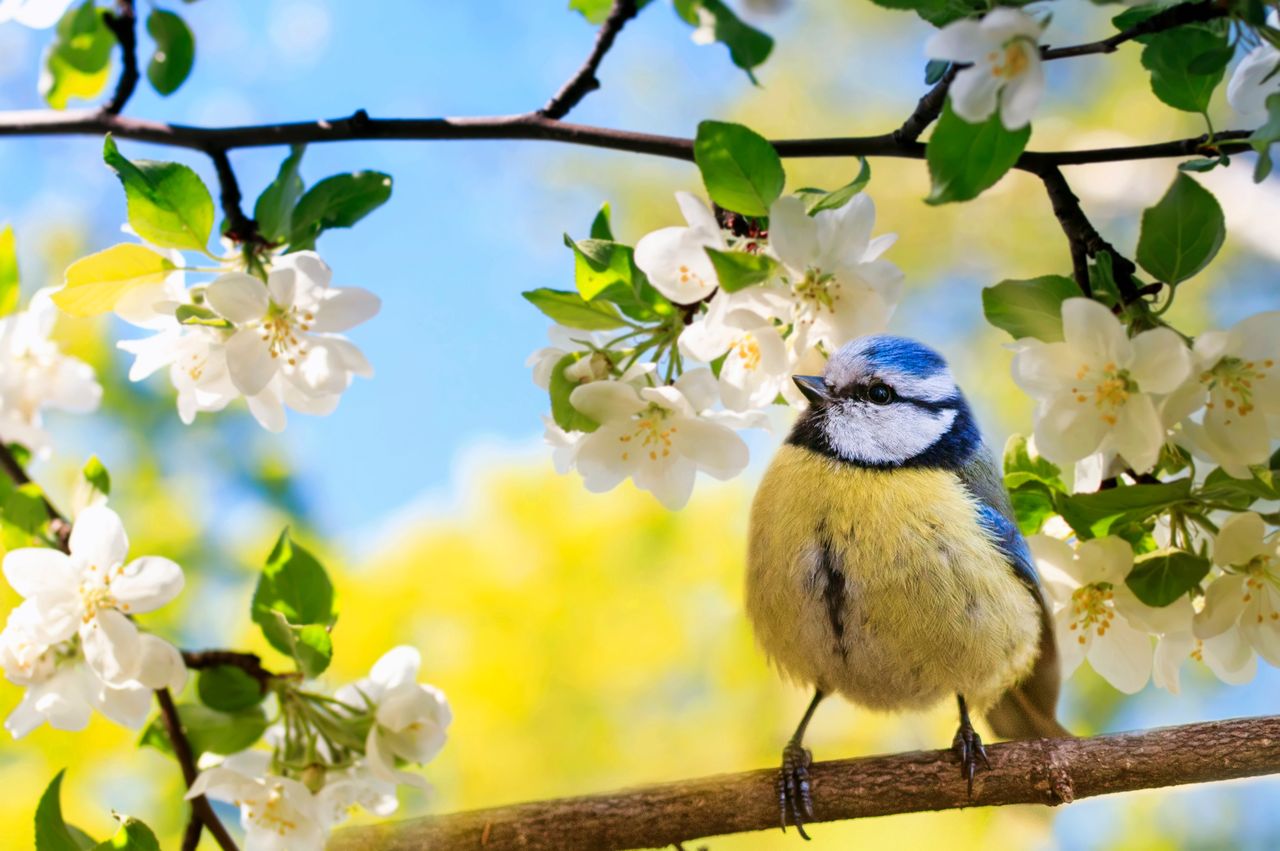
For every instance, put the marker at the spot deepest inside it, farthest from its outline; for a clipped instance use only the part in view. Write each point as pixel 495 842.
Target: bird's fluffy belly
pixel 882 586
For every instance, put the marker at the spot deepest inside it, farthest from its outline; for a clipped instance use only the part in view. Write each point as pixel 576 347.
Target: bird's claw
pixel 795 797
pixel 969 750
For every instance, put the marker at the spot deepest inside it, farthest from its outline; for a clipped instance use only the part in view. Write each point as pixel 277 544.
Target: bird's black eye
pixel 880 394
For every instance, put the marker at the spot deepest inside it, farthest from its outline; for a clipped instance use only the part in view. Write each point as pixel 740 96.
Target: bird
pixel 885 563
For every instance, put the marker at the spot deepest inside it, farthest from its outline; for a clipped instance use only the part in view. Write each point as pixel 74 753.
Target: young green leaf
pixel 10 287
pixel 24 507
pixel 337 202
pixel 561 387
pixel 736 270
pixel 740 168
pixel 838 198
pixel 748 46
pixel 1264 137
pixel 295 585
pixel 228 689
pixel 599 264
pixel 601 226
pixel 77 63
pixel 198 314
pixel 1160 578
pixel 52 832
pixel 132 835
pixel 168 203
pixel 966 159
pixel 595 11
pixel 95 283
pixel 310 645
pixel 1095 514
pixel 573 311
pixel 209 730
pixel 1169 55
pixel 1182 232
pixel 97 476
pixel 273 210
pixel 1030 308
pixel 1020 468
pixel 939 12
pixel 175 51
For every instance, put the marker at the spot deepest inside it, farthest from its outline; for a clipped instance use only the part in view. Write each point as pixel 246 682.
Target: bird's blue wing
pixel 995 512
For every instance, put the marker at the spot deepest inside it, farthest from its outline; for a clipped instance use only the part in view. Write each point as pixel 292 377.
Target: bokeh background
pixel 586 641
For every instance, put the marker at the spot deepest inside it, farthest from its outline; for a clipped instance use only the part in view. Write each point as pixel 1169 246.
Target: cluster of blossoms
pixel 819 281
pixel 274 342
pixel 72 643
pixel 35 375
pixel 293 796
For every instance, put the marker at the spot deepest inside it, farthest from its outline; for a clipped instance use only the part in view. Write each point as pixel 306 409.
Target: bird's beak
pixel 813 387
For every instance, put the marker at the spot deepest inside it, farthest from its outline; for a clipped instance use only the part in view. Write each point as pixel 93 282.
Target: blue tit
pixel 885 564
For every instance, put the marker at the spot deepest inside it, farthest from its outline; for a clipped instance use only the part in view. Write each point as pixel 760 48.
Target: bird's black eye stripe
pixel 877 393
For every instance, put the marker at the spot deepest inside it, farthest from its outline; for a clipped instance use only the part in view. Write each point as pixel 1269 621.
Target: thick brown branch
pixel 1167 19
pixel 584 81
pixel 200 806
pixel 123 23
pixel 1044 771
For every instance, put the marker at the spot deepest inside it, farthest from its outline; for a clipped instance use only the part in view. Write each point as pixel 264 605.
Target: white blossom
pixel 1095 388
pixel 835 285
pixel 1004 71
pixel 277 813
pixel 675 258
pixel 1235 382
pixel 660 437
pixel 1094 609
pixel 1253 82
pixel 1247 597
pixel 91 592
pixel 411 719
pixel 35 375
pixel 566 341
pixel 756 367
pixel 37 14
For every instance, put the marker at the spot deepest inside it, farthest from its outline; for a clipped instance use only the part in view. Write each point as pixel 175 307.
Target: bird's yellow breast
pixel 882 585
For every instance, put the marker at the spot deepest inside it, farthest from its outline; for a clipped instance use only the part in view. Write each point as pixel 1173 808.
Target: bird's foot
pixel 794 795
pixel 969 750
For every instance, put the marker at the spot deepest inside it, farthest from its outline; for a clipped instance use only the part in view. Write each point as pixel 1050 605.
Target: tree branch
pixel 200 806
pixel 240 228
pixel 584 81
pixel 1166 19
pixel 1043 771
pixel 250 663
pixel 927 110
pixel 123 23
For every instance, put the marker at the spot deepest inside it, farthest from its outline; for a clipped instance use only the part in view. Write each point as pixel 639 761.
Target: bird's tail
pixel 1029 709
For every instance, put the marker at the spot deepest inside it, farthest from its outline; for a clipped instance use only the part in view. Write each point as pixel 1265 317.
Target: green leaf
pixel 294 584
pixel 1220 486
pixel 198 314
pixel 737 270
pixel 595 11
pixel 228 689
pixel 1169 55
pixel 337 202
pixel 573 311
pixel 966 159
pixel 1264 137
pixel 1020 468
pixel 273 210
pixel 1182 232
pixel 52 832
pixel 132 835
pixel 561 387
pixel 1160 578
pixel 77 63
pixel 748 46
pixel 175 51
pixel 939 12
pixel 1135 15
pixel 837 199
pixel 599 264
pixel 97 476
pixel 740 168
pixel 1032 506
pixel 24 507
pixel 1030 308
pixel 601 227
pixel 1096 514
pixel 95 283
pixel 310 645
pixel 168 203
pixel 209 730
pixel 935 70
pixel 10 287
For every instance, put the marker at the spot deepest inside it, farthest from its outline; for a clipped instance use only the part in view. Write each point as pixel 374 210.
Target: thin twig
pixel 240 228
pixel 1166 19
pixel 927 110
pixel 250 663
pixel 584 80
pixel 191 836
pixel 200 805
pixel 123 23
pixel 1042 771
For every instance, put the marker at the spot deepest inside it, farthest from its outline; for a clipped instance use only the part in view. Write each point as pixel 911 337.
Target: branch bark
pixel 200 806
pixel 584 81
pixel 1043 771
pixel 123 23
pixel 1166 19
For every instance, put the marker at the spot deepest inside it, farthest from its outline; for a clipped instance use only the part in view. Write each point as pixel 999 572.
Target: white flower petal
pixel 98 538
pixel 1239 539
pixel 250 362
pixel 1123 657
pixel 1223 605
pixel 1161 361
pixel 238 297
pixel 35 570
pixel 146 583
pixel 112 646
pixel 1092 330
pixel 397 666
pixel 793 235
pixel 1138 433
pixel 345 308
pixel 607 401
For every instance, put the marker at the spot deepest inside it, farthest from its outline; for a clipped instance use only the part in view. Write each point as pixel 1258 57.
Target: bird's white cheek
pixel 888 435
